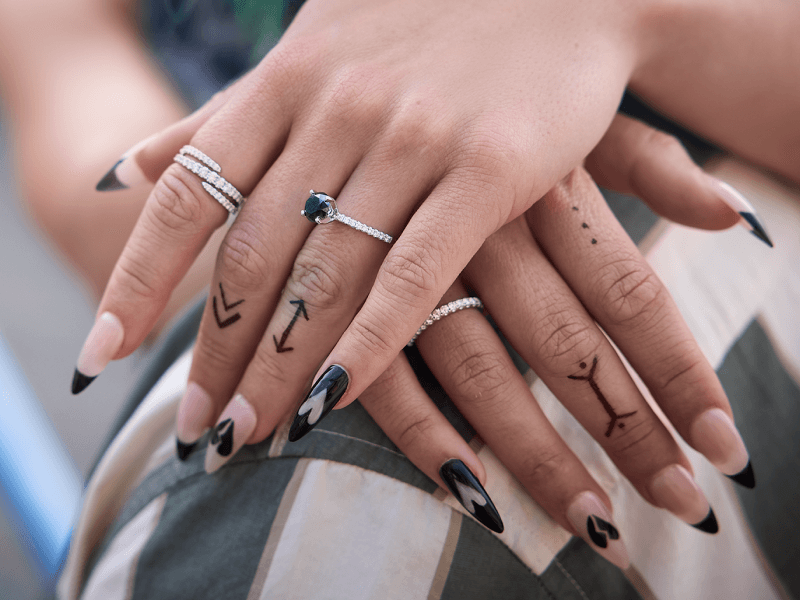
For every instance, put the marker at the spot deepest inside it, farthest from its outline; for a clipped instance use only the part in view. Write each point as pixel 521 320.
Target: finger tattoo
pixel 614 418
pixel 280 346
pixel 223 323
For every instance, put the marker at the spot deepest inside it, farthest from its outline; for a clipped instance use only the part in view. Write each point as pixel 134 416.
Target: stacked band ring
pixel 215 184
pixel 321 209
pixel 447 309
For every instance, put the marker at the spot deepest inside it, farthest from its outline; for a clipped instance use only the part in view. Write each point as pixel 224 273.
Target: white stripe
pixel 112 578
pixel 356 534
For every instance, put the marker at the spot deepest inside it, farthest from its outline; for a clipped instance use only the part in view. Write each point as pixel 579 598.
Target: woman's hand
pixel 434 122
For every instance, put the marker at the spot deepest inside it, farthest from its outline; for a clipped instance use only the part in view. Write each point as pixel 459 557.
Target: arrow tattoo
pixel 301 307
pixel 614 417
pixel 228 307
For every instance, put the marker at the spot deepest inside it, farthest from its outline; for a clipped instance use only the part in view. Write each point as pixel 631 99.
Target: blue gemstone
pixel 316 208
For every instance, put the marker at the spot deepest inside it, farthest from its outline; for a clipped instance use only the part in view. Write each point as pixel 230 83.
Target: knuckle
pixel 212 356
pixel 414 132
pixel 482 375
pixel 632 442
pixel 409 273
pixel 566 340
pixel 416 429
pixel 319 278
pixel 684 370
pixel 355 96
pixel 492 149
pixel 175 206
pixel 243 258
pixel 138 279
pixel 268 373
pixel 540 469
pixel 373 334
pixel 631 294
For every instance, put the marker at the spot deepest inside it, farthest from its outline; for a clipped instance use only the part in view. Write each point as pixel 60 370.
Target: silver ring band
pixel 321 209
pixel 444 310
pixel 222 191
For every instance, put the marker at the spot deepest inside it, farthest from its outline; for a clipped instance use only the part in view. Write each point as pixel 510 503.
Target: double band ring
pixel 444 310
pixel 215 184
pixel 321 209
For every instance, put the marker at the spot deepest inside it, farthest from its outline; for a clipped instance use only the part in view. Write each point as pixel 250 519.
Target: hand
pixel 419 120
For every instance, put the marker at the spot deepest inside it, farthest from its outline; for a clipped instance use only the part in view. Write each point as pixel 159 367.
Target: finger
pixel 473 367
pixel 633 158
pixel 148 159
pixel 331 276
pixel 179 215
pixel 431 252
pixel 553 333
pixel 624 295
pixel 404 412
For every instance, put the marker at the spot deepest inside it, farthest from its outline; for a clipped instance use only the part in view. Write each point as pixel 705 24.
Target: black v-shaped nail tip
pixel 456 471
pixel 333 382
pixel 184 450
pixel 110 182
pixel 758 229
pixel 80 382
pixel 709 524
pixel 746 477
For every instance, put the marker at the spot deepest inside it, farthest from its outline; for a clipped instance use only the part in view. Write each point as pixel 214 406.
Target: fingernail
pixel 125 173
pixel 194 413
pixel 674 489
pixel 102 343
pixel 592 520
pixel 716 437
pixel 324 395
pixel 466 488
pixel 739 203
pixel 235 426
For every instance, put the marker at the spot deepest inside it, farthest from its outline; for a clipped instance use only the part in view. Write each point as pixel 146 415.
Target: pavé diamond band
pixel 321 209
pixel 215 184
pixel 447 309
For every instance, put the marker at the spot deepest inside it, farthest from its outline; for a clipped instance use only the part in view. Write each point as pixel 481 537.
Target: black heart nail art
pixel 599 538
pixel 223 435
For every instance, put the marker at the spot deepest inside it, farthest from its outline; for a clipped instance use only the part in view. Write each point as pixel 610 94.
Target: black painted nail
pixel 709 524
pixel 324 395
pixel 184 450
pixel 80 382
pixel 470 493
pixel 110 182
pixel 757 228
pixel 745 477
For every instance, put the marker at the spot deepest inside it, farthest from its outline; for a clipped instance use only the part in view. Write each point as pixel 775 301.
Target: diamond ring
pixel 321 209
pixel 215 184
pixel 447 309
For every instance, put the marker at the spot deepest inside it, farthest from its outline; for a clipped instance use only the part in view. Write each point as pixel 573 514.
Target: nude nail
pixel 233 429
pixel 749 218
pixel 593 522
pixel 674 489
pixel 101 345
pixel 716 437
pixel 194 414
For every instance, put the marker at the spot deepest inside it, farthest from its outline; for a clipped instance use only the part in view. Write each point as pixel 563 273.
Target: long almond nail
pixel 739 203
pixel 324 395
pixel 716 437
pixel 194 414
pixel 674 489
pixel 233 429
pixel 102 343
pixel 126 172
pixel 593 522
pixel 466 488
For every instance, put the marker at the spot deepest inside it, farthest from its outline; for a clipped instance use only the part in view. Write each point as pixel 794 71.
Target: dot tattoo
pixel 280 346
pixel 614 418
pixel 223 323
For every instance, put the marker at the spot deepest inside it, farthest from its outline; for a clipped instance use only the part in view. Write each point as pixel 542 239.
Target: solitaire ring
pixel 447 309
pixel 215 184
pixel 321 209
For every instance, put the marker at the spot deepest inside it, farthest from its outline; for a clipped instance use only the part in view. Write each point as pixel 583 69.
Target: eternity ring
pixel 321 209
pixel 215 184
pixel 447 309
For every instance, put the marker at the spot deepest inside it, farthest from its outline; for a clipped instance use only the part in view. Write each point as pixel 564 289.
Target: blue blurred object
pixel 38 480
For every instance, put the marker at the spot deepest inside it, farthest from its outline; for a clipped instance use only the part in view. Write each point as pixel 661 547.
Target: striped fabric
pixel 343 514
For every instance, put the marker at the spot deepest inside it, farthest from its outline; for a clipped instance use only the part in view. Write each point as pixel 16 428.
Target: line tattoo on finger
pixel 280 346
pixel 223 323
pixel 614 418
